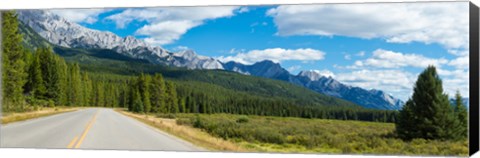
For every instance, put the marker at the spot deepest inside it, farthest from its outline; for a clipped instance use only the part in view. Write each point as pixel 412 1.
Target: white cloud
pixel 385 70
pixel 455 80
pixel 460 62
pixel 166 25
pixel 180 48
pixel 165 32
pixel 325 72
pixel 360 54
pixel 88 16
pixel 347 57
pixel 459 52
pixel 398 83
pixel 243 10
pixel 444 23
pixel 389 59
pixel 291 69
pixel 275 55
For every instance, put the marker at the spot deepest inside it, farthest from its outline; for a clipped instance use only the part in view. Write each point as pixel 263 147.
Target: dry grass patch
pixel 14 117
pixel 190 134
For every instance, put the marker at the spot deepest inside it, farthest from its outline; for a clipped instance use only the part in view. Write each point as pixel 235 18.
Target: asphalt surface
pixel 93 128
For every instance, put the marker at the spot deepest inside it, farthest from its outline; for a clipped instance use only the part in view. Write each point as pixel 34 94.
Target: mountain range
pixel 65 34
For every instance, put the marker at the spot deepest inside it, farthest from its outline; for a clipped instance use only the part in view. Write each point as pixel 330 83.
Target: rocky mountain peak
pixel 61 32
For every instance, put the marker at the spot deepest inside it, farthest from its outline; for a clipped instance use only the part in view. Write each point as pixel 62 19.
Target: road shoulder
pixel 188 134
pixel 17 117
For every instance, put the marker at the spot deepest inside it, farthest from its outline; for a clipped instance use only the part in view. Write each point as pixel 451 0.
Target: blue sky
pixel 380 46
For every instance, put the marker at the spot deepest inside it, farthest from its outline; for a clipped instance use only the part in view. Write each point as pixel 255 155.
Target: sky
pixel 373 46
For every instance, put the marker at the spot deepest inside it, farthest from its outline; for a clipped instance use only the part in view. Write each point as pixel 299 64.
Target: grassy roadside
pixel 238 133
pixel 190 134
pixel 15 117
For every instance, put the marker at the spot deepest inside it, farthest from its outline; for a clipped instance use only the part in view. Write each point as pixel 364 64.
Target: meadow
pixel 299 135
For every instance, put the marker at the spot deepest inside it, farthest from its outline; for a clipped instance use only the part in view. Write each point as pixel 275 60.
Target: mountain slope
pixel 375 99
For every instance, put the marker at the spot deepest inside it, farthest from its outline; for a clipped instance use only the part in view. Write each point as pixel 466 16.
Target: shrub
pixel 183 121
pixel 51 103
pixel 242 119
pixel 168 116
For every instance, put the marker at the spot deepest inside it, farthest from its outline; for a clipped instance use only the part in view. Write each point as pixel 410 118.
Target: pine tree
pixel 428 113
pixel 144 87
pixel 137 102
pixel 74 90
pixel 172 100
pixel 100 90
pixel 183 108
pixel 87 89
pixel 35 83
pixel 157 92
pixel 462 116
pixel 14 76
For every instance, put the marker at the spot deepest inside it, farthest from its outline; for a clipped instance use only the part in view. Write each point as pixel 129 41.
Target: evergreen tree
pixel 182 108
pixel 144 87
pixel 100 94
pixel 35 85
pixel 137 102
pixel 428 113
pixel 462 116
pixel 74 90
pixel 14 76
pixel 87 89
pixel 172 100
pixel 157 92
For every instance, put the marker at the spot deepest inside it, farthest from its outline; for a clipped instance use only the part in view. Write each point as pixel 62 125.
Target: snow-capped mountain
pixel 320 82
pixel 62 32
pixel 377 99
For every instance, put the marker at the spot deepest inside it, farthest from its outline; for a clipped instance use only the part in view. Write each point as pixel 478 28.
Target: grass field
pixel 41 112
pixel 297 135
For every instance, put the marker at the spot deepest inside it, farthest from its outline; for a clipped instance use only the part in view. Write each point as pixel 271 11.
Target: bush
pixel 197 122
pixel 168 116
pixel 242 119
pixel 51 103
pixel 183 121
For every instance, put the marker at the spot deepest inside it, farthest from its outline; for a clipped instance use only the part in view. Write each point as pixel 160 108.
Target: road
pixel 93 128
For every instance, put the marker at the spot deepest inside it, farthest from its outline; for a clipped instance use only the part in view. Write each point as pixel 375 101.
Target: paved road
pixel 94 128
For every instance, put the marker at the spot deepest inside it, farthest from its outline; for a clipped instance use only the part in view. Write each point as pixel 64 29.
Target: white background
pixel 53 153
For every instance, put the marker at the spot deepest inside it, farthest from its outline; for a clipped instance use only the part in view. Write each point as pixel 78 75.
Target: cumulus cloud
pixel 168 31
pixel 387 70
pixel 389 59
pixel 360 54
pixel 397 82
pixel 325 72
pixel 166 25
pixel 275 55
pixel 442 23
pixel 291 69
pixel 88 16
pixel 460 62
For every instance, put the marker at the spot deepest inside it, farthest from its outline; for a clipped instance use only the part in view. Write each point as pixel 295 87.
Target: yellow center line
pixel 72 142
pixel 84 134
